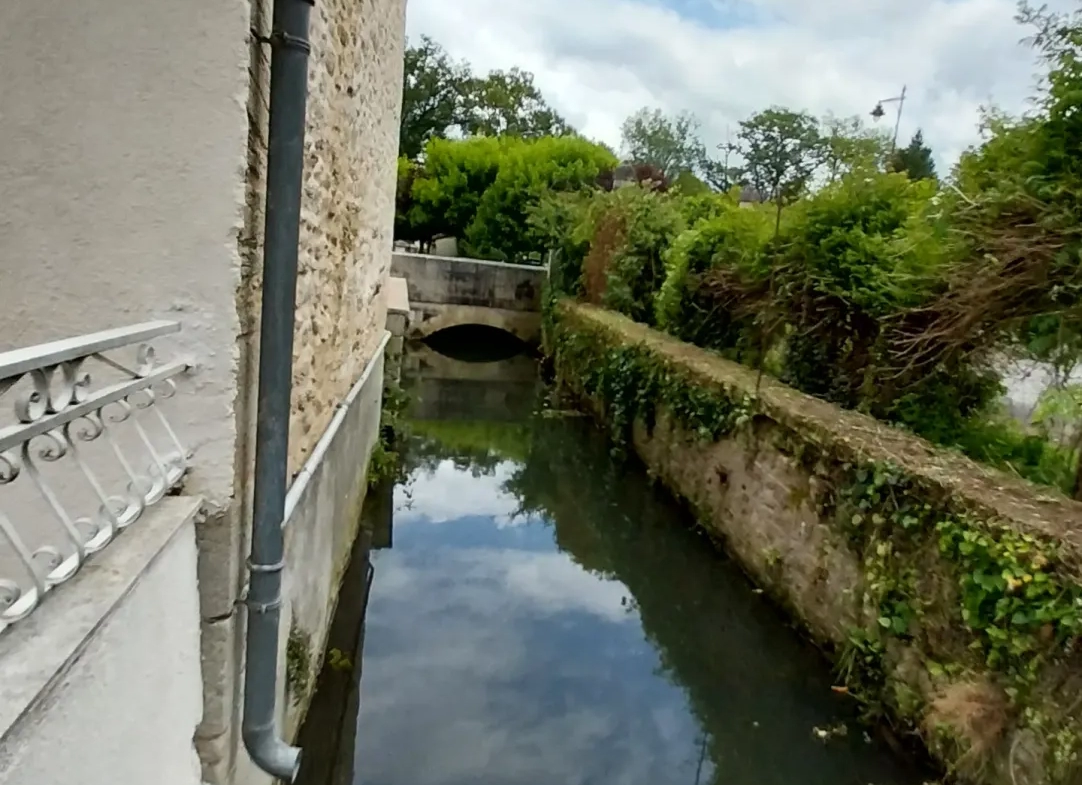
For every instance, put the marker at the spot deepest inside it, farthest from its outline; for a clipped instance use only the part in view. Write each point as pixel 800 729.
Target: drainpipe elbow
pixel 271 754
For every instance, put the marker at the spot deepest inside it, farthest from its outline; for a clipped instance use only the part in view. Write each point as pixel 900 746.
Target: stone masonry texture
pixel 347 208
pixel 347 218
pixel 782 487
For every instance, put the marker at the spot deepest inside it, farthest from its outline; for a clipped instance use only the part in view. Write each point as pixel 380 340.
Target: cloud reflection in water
pixel 491 657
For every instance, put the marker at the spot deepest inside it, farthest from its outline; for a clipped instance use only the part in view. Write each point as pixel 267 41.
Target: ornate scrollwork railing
pixel 58 413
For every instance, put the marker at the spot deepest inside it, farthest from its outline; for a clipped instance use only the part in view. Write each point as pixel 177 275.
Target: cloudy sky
pixel 599 60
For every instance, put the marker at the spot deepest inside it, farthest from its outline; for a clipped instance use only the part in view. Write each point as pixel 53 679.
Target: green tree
pixel 403 203
pixel 431 96
pixel 508 103
pixel 849 145
pixel 483 190
pixel 446 193
pixel 528 171
pixel 720 176
pixel 670 143
pixel 915 159
pixel 781 150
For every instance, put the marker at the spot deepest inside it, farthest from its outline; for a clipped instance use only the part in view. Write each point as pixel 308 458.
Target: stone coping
pixel 996 494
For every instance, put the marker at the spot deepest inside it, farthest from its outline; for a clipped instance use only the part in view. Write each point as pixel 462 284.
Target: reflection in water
pixel 328 737
pixel 445 389
pixel 545 616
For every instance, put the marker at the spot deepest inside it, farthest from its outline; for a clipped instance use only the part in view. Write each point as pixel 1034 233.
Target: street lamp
pixel 878 112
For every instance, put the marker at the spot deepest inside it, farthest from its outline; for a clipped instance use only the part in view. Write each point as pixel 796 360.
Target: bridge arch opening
pixel 478 343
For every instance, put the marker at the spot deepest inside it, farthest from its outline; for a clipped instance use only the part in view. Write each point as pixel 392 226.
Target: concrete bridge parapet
pixel 449 292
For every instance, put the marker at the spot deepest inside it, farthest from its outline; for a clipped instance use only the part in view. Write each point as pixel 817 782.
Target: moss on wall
pixel 299 657
pixel 949 595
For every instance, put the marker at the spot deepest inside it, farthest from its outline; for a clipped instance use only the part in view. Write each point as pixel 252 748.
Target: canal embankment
pixel 949 594
pixel 541 612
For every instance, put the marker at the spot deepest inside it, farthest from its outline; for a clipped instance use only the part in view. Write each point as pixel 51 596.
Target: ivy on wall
pixel 980 598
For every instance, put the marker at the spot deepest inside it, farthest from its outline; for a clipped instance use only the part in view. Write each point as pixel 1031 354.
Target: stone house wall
pixel 355 97
pixel 347 212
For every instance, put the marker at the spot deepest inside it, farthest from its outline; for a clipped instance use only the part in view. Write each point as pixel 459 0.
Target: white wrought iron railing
pixel 82 455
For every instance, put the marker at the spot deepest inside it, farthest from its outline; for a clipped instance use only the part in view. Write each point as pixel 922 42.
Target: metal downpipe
pixel 285 162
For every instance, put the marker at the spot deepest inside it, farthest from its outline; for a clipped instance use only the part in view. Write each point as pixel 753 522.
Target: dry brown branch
pixel 1015 270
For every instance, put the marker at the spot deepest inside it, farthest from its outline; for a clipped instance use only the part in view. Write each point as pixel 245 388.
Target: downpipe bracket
pixel 278 566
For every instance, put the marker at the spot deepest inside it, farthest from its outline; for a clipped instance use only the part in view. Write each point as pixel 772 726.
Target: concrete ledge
pixel 304 476
pixel 102 684
pixel 38 651
pixel 323 509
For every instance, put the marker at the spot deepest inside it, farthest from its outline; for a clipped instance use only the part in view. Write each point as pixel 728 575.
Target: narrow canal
pixel 541 614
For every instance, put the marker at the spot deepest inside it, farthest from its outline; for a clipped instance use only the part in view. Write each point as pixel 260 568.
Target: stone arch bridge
pixel 450 291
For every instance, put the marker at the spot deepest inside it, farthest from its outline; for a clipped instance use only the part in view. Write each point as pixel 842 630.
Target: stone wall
pixel 347 218
pixel 355 89
pixel 950 594
pixel 347 212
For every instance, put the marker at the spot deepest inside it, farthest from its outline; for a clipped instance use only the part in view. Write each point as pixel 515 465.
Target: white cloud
pixel 599 60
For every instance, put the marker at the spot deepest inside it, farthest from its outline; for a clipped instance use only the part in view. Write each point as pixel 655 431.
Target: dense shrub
pixel 716 272
pixel 827 301
pixel 557 221
pixel 447 191
pixel 625 271
pixel 609 245
pixel 529 170
pixel 854 257
pixel 700 206
pixel 482 190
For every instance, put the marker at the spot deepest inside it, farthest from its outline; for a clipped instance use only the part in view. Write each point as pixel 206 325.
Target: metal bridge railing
pixel 82 454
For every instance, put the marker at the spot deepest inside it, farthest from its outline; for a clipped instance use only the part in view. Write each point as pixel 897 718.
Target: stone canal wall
pixel 949 594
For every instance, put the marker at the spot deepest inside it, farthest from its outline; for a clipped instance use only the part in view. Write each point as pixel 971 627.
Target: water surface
pixel 544 615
